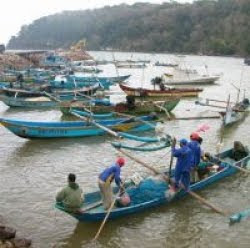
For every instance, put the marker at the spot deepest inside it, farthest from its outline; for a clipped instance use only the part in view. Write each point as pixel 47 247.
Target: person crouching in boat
pixel 195 148
pixel 239 151
pixel 106 178
pixel 183 165
pixel 71 196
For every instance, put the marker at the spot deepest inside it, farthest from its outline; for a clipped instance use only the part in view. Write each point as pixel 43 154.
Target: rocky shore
pixel 9 239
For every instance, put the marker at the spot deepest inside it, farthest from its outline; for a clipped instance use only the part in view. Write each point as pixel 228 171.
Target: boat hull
pixel 198 81
pixel 160 94
pixel 139 108
pixel 46 130
pixel 98 214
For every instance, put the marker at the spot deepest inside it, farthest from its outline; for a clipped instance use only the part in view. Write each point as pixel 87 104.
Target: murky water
pixel 32 171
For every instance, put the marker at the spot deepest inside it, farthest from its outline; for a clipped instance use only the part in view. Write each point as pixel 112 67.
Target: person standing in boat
pixel 194 146
pixel 183 164
pixel 71 196
pixel 105 179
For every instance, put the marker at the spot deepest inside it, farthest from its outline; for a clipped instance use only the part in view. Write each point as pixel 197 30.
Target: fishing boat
pixel 165 64
pixel 160 94
pixel 205 80
pixel 69 129
pixel 36 92
pixel 72 81
pixel 232 112
pixel 150 193
pixel 40 102
pixel 130 65
pixel 86 69
pixel 29 102
pixel 138 107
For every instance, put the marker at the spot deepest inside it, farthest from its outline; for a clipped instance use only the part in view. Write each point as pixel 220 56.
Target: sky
pixel 15 13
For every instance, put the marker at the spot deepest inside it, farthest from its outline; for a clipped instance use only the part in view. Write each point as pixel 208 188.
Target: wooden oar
pixel 107 215
pixel 193 194
pixel 111 132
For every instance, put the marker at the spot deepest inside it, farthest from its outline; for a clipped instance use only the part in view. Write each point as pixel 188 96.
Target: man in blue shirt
pixel 183 164
pixel 106 178
pixel 194 146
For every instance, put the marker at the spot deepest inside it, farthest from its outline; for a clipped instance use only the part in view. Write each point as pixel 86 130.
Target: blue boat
pixel 69 129
pixel 35 92
pixel 71 81
pixel 141 200
pixel 42 102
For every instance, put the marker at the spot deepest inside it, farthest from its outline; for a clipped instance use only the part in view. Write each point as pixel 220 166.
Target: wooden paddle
pixel 196 196
pixel 107 215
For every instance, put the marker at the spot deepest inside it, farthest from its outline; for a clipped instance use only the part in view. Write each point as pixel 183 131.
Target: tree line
pixel 213 27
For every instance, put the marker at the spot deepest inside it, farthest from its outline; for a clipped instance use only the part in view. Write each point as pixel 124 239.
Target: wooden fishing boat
pixel 206 80
pixel 160 94
pixel 39 102
pixel 152 197
pixel 232 112
pixel 139 107
pixel 36 92
pixel 69 129
pixel 29 102
pixel 165 64
pixel 235 113
pixel 71 82
pixel 131 66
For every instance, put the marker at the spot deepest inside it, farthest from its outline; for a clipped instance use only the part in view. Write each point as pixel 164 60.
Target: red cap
pixel 120 161
pixel 194 136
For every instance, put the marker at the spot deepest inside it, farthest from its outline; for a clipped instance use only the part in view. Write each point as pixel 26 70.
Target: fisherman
pixel 194 145
pixel 106 178
pixel 71 196
pixel 183 164
pixel 239 151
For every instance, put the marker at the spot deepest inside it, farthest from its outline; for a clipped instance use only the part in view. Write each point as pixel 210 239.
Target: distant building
pixel 2 48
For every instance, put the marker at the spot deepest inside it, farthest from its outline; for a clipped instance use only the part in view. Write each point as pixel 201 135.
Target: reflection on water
pixel 32 171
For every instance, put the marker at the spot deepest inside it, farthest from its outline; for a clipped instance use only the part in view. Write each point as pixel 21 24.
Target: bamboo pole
pixel 52 97
pixel 133 116
pixel 111 132
pixel 193 194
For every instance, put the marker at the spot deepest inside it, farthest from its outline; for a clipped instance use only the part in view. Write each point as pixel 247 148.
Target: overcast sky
pixel 15 13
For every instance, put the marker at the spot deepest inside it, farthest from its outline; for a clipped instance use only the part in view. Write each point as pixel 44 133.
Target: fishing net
pixel 147 190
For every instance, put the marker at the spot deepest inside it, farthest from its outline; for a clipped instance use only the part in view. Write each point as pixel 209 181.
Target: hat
pixel 183 142
pixel 194 136
pixel 120 161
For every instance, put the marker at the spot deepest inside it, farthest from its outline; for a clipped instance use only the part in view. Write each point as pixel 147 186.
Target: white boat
pixel 204 80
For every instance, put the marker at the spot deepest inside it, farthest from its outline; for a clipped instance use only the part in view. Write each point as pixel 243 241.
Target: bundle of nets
pixel 147 190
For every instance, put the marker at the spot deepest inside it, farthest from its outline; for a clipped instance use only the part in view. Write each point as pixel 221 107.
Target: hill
pixel 208 27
